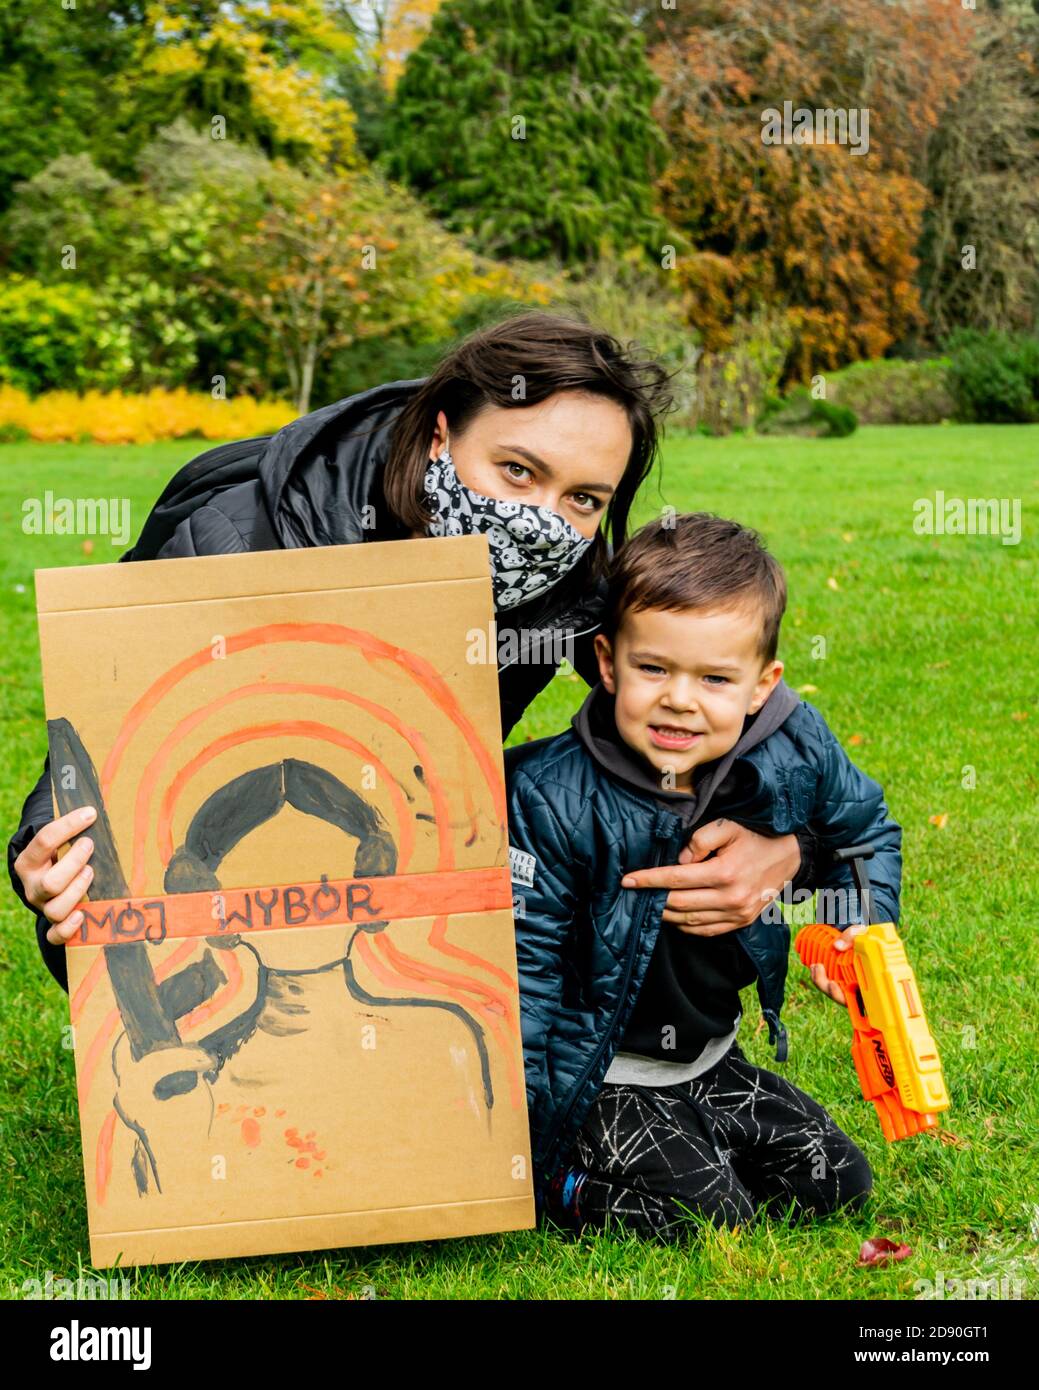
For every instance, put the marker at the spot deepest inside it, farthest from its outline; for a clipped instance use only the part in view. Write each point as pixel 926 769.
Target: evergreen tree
pixel 57 69
pixel 527 124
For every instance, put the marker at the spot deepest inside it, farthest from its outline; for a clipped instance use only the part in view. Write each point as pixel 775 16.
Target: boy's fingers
pixel 45 843
pixel 830 987
pixel 846 940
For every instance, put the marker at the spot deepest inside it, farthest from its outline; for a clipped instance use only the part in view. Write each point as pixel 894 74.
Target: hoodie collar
pixel 596 726
pixel 320 471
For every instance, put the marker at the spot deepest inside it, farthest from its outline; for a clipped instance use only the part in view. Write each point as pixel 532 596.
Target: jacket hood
pixel 596 726
pixel 319 472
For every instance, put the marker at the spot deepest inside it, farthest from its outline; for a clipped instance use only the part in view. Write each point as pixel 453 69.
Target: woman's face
pixel 567 453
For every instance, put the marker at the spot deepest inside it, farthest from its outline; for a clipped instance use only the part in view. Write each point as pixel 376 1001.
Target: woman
pixel 536 432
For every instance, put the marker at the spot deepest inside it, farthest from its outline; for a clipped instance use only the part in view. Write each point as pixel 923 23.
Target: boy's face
pixel 684 682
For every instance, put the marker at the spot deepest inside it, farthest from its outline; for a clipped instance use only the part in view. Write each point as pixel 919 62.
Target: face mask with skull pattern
pixel 532 548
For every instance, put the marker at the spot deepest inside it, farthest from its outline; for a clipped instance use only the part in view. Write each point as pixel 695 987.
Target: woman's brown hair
pixel 547 352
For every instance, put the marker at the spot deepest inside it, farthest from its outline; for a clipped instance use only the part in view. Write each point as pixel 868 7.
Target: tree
pixel 69 203
pixel 260 69
pixel 824 234
pixel 100 79
pixel 330 263
pixel 980 251
pixel 387 31
pixel 57 69
pixel 527 124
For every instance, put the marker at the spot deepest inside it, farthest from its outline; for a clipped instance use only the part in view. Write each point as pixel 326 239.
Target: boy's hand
pixel 818 972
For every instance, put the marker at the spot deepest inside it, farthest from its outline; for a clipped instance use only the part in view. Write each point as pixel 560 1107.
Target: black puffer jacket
pixel 311 486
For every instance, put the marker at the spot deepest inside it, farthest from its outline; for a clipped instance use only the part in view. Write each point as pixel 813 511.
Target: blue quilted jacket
pixel 584 943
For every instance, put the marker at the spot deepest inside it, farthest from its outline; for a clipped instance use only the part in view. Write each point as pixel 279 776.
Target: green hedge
pixel 894 392
pixel 55 337
pixel 800 413
pixel 994 376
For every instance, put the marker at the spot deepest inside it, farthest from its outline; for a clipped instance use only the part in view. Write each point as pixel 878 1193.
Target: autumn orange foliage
pixel 824 234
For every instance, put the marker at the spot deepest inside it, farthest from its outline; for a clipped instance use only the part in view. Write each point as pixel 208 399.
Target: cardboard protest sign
pixel 294 995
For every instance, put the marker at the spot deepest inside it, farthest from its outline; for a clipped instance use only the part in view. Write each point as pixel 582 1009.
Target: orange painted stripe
pixel 285 728
pixel 153 771
pixel 103 1158
pixel 276 907
pixel 373 648
pixel 493 1008
pixel 86 985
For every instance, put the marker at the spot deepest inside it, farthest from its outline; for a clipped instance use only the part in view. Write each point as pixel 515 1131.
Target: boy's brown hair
pixel 697 560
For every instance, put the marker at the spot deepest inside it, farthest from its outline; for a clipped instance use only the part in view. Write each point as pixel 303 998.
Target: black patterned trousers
pixel 724 1145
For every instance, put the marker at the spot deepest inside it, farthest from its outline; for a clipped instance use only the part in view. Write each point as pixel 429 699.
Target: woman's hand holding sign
pixel 55 886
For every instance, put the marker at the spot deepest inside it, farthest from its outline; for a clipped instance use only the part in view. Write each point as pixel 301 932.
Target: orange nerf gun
pixel 894 1053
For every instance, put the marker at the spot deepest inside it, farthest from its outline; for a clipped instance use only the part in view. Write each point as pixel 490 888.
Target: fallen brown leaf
pixel 954 1141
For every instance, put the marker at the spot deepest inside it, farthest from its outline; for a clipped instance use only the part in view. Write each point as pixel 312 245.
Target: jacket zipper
pixel 636 937
pixel 777 1034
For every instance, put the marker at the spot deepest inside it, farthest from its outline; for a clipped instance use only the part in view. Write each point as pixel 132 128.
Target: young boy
pixel 643 1107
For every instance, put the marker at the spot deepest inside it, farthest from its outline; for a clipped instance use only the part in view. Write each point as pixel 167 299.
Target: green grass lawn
pixel 929 670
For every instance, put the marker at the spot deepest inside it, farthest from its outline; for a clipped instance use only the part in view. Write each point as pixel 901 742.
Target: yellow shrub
pixel 109 417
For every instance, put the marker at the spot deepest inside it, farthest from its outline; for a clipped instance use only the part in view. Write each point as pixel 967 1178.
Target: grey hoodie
pixel 688 1010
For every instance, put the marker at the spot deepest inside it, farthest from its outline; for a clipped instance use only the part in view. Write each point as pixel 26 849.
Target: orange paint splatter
pixel 306 1148
pixel 250 1133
